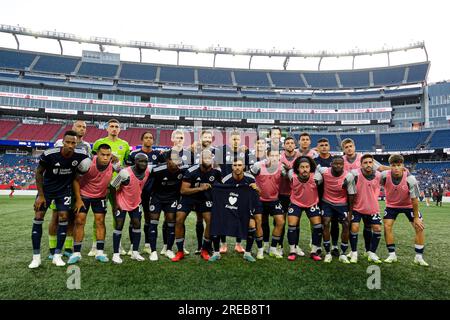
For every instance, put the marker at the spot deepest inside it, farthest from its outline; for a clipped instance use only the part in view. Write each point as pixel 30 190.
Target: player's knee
pixel 119 224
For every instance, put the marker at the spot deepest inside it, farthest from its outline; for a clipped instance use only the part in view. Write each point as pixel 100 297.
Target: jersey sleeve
pixel 44 160
pixel 84 165
pixel 321 169
pixel 120 178
pixel 130 159
pixel 256 168
pixel 318 177
pixel 383 178
pixel 413 185
pixel 290 174
pixel 350 183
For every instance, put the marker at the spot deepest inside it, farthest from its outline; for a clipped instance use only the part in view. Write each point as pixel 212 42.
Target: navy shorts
pixel 272 208
pixel 145 201
pixel 368 219
pixel 135 213
pixel 285 201
pixel 61 203
pixel 330 211
pixel 392 213
pixel 98 205
pixel 295 210
pixel 188 204
pixel 168 207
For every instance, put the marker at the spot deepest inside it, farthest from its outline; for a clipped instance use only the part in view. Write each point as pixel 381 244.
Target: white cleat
pixel 391 258
pixel 343 258
pixel 147 248
pixel 169 254
pixel 260 254
pixel 136 256
pixel 163 250
pixel 57 260
pixel 299 252
pixel 372 257
pixel 186 252
pixel 274 252
pixel 93 251
pixel 154 256
pixel 420 261
pixel 354 257
pixel 266 247
pixel 349 255
pixel 130 252
pixel 36 262
pixel 121 250
pixel 328 258
pixel 116 258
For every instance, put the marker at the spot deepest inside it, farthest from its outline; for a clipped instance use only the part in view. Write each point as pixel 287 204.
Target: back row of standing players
pixel 332 190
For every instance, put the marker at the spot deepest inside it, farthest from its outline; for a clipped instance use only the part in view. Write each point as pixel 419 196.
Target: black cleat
pixel 335 252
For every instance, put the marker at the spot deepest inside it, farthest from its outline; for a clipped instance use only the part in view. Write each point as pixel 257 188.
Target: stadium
pixel 385 110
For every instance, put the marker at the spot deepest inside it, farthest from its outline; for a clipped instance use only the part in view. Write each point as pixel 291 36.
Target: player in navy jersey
pixel 54 178
pixel 259 153
pixel 153 156
pixel 196 195
pixel 324 156
pixel 177 139
pixel 165 195
pixel 228 153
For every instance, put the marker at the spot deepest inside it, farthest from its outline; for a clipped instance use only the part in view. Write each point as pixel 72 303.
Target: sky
pixel 308 26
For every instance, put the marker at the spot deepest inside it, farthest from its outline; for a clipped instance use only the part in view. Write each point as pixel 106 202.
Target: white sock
pixel 37 256
pixel 147 245
pixel 292 248
pixel 273 248
pixel 266 244
pixel 77 254
pixel 334 247
pixel 314 248
pixel 100 253
pixel 94 245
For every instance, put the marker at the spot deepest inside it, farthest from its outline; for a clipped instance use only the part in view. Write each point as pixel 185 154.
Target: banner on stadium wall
pixel 159 117
pixel 114 114
pixel 61 111
pixel 307 122
pixel 355 121
pixel 31 144
pixel 260 121
pixel 186 107
pixel 212 119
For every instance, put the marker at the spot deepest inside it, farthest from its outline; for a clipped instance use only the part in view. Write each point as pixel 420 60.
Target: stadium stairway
pixel 428 139
pixel 60 130
pixel 5 137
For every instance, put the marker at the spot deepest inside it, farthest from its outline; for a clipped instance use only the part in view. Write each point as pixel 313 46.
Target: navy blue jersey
pixel 227 156
pixel 185 156
pixel 166 184
pixel 197 153
pixel 195 176
pixel 246 180
pixel 252 158
pixel 153 156
pixel 324 162
pixel 60 171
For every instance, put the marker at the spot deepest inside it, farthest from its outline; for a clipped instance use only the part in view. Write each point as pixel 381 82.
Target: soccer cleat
pixel 50 257
pixel 116 258
pixel 185 251
pixel 179 256
pixel 420 261
pixel 147 248
pixel 260 254
pixel 319 251
pixel 136 256
pixel 335 252
pixel 102 258
pixel 205 255
pixel 238 248
pixel 122 251
pixel 248 256
pixel 223 248
pixel 169 254
pixel 274 252
pixel 354 257
pixel 214 257
pixel 391 258
pixel 57 260
pixel 372 257
pixel 36 262
pixel 366 254
pixel 163 250
pixel 67 254
pixel 154 256
pixel 292 256
pixel 349 255
pixel 74 258
pixel 266 248
pixel 315 256
pixel 130 252
pixel 197 252
pixel 299 252
pixel 343 258
pixel 93 252
pixel 328 258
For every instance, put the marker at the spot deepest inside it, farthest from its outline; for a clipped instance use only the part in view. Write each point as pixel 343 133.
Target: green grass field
pixel 229 278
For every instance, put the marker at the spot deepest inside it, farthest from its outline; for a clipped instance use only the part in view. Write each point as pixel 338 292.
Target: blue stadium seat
pixel 388 76
pixel 418 72
pixel 138 71
pixel 440 139
pixel 251 78
pixel 286 79
pixel 16 59
pixel 363 142
pixel 177 75
pixel 214 76
pixel 403 141
pixel 101 70
pixel 56 64
pixel 325 80
pixel 354 79
pixel 332 138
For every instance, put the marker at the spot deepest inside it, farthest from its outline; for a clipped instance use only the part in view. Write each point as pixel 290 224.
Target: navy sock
pixel 147 232
pixel 419 248
pixel 223 239
pixel 180 244
pixel 170 235
pixel 317 235
pixel 391 247
pixel 136 239
pixel 292 235
pixel 353 241
pixel 100 244
pixel 297 234
pixel 216 243
pixel 206 245
pixel 164 232
pixel 77 246
pixel 367 234
pixel 117 235
pixel 153 233
pixel 327 246
pixel 130 233
pixel 36 235
pixel 283 231
pixel 376 236
pixel 334 232
pixel 275 241
pixel 259 242
pixel 344 247
pixel 61 236
pixel 250 239
pixel 199 230
pixel 239 240
pixel 266 231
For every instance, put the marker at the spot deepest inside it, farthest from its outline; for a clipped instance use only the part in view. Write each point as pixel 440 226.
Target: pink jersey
pixel 332 189
pixel 94 183
pixel 397 196
pixel 367 192
pixel 269 183
pixel 352 166
pixel 311 153
pixel 285 185
pixel 304 194
pixel 129 196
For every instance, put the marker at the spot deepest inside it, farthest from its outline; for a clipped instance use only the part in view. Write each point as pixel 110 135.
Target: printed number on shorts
pixel 103 204
pixel 313 209
pixel 209 204
pixel 174 204
pixel 67 201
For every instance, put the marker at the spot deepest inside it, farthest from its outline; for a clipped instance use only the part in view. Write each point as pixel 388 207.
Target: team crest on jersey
pixel 228 158
pixel 179 206
pixel 120 147
pixel 291 210
pixel 74 163
pixel 154 157
pixel 184 158
pixel 241 154
pixel 180 176
pixel 152 208
pixel 55 171
pixel 211 178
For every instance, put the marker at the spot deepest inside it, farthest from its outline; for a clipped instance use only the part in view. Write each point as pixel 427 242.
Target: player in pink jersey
pixel 268 175
pixel 337 200
pixel 304 142
pixel 304 197
pixel 365 207
pixel 127 190
pixel 402 196
pixel 90 190
pixel 287 159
